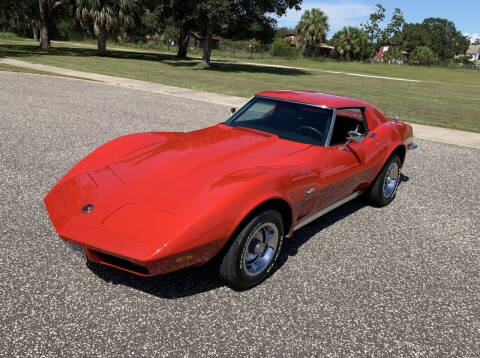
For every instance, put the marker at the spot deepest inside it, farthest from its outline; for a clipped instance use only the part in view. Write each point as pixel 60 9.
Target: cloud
pixel 340 14
pixel 473 37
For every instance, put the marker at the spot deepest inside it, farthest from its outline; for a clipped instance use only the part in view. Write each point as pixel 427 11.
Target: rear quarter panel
pixel 384 137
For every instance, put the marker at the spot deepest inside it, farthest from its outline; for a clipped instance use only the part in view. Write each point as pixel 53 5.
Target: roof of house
pixel 325 46
pixel 323 99
pixel 197 35
pixel 473 50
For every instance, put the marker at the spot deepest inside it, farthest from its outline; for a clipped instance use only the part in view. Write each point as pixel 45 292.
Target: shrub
pixel 280 48
pixel 4 35
pixel 464 59
pixel 394 54
pixel 422 56
pixel 250 46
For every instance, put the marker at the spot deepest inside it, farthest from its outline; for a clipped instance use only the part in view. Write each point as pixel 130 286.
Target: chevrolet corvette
pixel 157 202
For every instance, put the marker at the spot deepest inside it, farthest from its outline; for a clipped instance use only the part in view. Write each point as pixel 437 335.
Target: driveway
pixel 402 280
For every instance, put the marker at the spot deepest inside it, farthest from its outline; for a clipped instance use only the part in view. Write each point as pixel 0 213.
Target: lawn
pixel 444 97
pixel 10 68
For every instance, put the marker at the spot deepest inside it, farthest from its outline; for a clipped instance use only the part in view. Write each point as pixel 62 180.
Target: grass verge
pixel 10 68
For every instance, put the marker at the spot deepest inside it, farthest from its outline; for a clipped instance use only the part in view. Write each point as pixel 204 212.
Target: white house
pixel 474 52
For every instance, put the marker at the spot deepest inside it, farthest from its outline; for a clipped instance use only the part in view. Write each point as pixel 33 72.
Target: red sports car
pixel 152 203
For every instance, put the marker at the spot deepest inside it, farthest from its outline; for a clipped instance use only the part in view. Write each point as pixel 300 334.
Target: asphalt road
pixel 399 281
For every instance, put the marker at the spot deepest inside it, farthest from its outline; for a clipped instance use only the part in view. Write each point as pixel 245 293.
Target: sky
pixel 464 13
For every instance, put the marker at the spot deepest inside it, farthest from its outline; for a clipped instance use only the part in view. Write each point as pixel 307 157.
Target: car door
pixel 344 167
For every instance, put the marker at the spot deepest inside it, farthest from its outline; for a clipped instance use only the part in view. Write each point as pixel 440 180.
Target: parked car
pixel 157 202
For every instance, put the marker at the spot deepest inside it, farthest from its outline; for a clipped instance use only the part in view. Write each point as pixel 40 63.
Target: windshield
pixel 292 121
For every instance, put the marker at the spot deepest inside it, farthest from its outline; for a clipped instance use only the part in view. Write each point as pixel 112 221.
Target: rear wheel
pixel 253 252
pixel 384 188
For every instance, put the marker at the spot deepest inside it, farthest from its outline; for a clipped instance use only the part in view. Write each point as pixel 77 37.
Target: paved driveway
pixel 402 280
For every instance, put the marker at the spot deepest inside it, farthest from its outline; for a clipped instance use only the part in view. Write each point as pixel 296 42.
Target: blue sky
pixel 464 13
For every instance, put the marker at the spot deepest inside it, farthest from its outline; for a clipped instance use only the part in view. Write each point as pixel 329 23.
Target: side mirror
pixel 353 136
pixel 233 110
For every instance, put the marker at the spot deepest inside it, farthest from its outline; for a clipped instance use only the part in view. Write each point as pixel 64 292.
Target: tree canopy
pixel 281 32
pixel 237 20
pixel 439 35
pixel 312 30
pixel 447 41
pixel 373 27
pixel 395 28
pixel 350 42
pixel 415 35
pixel 20 16
pixel 105 17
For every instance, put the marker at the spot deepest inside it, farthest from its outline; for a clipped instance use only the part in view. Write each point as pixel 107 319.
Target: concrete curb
pixel 436 134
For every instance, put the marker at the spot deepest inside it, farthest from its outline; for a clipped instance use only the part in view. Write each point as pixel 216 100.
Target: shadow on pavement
pixel 193 281
pixel 178 284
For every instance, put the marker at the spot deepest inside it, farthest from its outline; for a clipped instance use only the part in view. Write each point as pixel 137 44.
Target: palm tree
pixel 312 30
pixel 104 17
pixel 350 42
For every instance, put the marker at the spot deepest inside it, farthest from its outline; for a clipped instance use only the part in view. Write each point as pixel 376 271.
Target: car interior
pixel 350 119
pixel 292 121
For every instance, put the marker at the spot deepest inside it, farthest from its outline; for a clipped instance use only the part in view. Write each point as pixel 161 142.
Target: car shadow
pixel 188 282
pixel 292 245
pixel 201 279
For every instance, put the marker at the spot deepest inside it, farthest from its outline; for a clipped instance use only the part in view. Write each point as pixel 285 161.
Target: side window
pixel 348 119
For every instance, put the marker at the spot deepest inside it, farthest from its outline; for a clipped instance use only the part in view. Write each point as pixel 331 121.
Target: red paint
pixel 166 201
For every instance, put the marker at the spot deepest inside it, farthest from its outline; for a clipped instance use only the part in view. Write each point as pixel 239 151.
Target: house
pixel 385 48
pixel 474 53
pixel 325 50
pixel 197 40
pixel 291 39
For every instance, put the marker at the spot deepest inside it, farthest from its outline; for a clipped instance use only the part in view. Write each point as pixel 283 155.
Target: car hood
pixel 190 162
pixel 163 183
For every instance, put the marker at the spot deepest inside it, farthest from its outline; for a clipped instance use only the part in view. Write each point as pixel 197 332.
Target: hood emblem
pixel 87 208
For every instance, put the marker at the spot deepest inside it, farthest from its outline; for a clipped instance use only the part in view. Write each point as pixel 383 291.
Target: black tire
pixel 234 268
pixel 377 194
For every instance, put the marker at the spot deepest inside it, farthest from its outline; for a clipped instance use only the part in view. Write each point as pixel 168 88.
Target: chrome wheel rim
pixel 391 180
pixel 260 249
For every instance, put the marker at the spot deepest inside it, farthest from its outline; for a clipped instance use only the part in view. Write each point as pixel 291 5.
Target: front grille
pixel 121 263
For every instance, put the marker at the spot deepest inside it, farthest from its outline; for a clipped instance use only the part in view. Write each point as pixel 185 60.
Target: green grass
pixel 11 36
pixel 445 97
pixel 10 68
pixel 454 75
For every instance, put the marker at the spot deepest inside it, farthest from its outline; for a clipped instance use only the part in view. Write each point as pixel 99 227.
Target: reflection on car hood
pixel 186 163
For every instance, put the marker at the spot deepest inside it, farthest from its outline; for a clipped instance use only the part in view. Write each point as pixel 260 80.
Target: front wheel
pixel 384 188
pixel 254 251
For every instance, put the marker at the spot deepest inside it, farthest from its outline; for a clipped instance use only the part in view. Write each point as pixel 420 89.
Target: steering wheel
pixel 311 129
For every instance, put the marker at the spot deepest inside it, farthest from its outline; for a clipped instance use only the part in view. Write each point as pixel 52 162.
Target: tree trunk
pixel 183 40
pixel 35 32
pixel 101 35
pixel 44 22
pixel 207 47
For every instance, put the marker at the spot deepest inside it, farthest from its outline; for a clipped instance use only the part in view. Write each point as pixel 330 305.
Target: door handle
pixel 309 192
